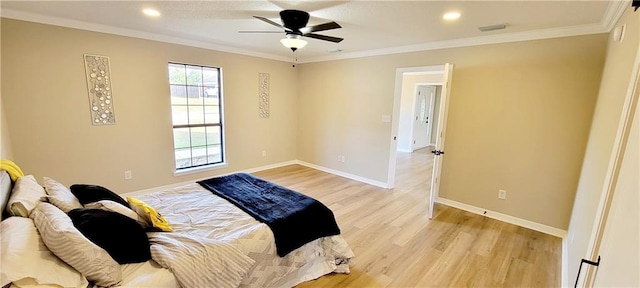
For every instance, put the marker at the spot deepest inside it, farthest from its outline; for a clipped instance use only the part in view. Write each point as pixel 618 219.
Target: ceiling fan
pixel 294 23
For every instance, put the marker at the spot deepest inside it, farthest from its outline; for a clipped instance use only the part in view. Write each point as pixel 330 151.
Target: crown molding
pixel 56 21
pixel 474 41
pixel 615 9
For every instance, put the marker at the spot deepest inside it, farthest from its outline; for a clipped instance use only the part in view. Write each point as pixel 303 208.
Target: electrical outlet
pixel 264 153
pixel 341 158
pixel 502 194
pixel 128 175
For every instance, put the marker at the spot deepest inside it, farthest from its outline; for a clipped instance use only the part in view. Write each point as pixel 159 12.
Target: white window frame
pixel 201 86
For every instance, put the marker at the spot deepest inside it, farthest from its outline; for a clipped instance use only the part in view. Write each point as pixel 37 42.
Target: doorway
pixel 416 109
pixel 440 75
pixel 407 82
pixel 423 116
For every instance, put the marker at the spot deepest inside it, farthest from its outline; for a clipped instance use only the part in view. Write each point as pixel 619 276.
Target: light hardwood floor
pixel 396 245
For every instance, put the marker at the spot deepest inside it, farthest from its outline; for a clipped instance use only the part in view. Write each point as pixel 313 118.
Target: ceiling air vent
pixel 492 27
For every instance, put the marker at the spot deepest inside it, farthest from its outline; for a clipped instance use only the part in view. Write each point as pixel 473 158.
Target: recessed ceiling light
pixel 151 12
pixel 451 16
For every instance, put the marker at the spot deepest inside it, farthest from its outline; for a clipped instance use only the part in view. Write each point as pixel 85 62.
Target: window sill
pixel 199 169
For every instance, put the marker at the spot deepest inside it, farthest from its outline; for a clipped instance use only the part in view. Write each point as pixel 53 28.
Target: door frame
pixel 397 97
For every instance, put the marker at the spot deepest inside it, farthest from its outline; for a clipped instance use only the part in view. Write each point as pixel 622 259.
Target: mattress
pixel 193 210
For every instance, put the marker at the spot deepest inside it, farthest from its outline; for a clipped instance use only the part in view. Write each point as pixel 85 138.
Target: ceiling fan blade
pixel 321 27
pixel 260 32
pixel 323 37
pixel 271 22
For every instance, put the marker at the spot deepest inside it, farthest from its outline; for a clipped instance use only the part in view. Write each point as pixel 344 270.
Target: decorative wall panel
pixel 263 94
pixel 99 88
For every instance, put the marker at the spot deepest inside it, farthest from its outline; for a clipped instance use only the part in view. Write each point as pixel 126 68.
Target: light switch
pixel 386 118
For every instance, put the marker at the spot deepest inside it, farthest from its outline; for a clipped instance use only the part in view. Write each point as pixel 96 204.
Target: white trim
pixel 199 169
pixel 262 168
pixel 614 11
pixel 473 41
pixel 405 150
pixel 427 72
pixel 505 218
pixel 271 166
pixel 56 21
pixel 344 174
pixel 565 264
pixel 174 185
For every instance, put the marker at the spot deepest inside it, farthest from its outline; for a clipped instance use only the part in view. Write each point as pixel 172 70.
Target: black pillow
pixel 93 193
pixel 122 237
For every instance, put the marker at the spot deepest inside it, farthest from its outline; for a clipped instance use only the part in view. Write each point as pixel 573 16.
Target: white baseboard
pixel 565 264
pixel 344 174
pixel 267 167
pixel 174 185
pixel 505 218
pixel 405 150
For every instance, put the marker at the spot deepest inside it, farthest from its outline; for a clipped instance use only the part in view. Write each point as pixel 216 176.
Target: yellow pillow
pixel 149 214
pixel 14 171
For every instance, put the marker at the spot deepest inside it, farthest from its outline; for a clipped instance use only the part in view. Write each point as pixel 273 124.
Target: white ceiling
pixel 369 27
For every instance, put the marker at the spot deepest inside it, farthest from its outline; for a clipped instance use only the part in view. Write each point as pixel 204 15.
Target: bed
pixel 193 213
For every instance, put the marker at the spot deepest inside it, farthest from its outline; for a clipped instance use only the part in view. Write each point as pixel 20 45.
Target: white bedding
pixel 193 210
pixel 198 262
pixel 147 275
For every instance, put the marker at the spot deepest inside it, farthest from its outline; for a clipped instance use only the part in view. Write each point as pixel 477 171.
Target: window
pixel 195 110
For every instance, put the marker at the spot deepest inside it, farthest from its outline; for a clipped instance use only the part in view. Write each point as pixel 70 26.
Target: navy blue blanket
pixel 294 218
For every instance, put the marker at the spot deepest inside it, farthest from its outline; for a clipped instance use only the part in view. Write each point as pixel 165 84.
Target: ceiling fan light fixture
pixel 293 42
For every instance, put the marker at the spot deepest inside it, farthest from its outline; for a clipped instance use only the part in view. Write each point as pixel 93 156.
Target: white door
pixel 431 99
pixel 614 242
pixel 441 133
pixel 421 128
pixel 620 244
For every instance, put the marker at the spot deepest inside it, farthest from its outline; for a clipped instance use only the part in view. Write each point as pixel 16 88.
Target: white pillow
pixel 60 195
pixel 24 255
pixel 25 196
pixel 113 206
pixel 64 240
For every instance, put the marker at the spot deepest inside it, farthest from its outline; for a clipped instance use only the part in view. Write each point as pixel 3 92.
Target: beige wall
pixel 615 82
pixel 519 114
pixel 5 139
pixel 45 98
pixel 407 105
pixel 519 118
